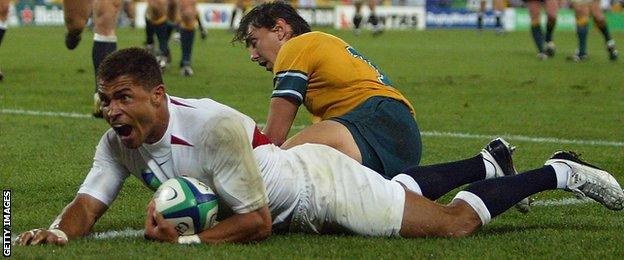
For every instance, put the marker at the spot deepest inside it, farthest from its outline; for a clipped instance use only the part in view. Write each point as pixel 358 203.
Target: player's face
pixel 263 45
pixel 132 111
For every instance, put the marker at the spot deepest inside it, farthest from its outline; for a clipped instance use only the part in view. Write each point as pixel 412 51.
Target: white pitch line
pixel 424 133
pixel 43 113
pixel 562 202
pixel 128 232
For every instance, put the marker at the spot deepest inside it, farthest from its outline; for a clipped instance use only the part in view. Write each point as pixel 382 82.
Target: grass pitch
pixel 466 85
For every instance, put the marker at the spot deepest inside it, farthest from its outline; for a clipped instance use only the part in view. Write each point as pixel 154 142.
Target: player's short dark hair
pixel 265 16
pixel 134 62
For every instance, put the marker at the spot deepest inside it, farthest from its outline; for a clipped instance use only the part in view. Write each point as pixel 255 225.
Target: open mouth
pixel 122 130
pixel 263 64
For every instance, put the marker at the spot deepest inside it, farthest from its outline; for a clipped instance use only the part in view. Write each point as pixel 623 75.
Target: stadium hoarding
pixel 29 13
pixel 391 17
pixel 219 15
pixel 211 15
pixel 565 20
pixel 459 18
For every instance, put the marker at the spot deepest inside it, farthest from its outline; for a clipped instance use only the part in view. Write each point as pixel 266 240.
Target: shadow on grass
pixel 500 229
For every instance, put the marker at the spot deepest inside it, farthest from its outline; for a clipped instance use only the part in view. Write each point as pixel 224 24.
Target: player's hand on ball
pixel 40 236
pixel 157 228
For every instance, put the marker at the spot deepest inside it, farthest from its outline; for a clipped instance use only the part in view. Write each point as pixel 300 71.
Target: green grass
pixel 459 81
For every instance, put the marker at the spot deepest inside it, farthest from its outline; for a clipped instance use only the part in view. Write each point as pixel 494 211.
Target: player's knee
pixel 552 19
pixel 189 20
pixel 73 23
pixel 158 19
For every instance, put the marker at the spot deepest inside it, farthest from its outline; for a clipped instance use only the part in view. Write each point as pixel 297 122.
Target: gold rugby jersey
pixel 328 76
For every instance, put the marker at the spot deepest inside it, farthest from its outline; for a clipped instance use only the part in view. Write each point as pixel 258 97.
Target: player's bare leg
pixel 499 11
pixel 129 9
pixel 425 218
pixel 357 17
pixel 481 201
pixel 238 5
pixel 158 16
pixel 480 14
pixel 373 19
pixel 601 23
pixel 188 13
pixel 202 30
pixel 330 133
pixel 76 14
pixel 552 7
pixel 535 7
pixel 105 13
pixel 581 12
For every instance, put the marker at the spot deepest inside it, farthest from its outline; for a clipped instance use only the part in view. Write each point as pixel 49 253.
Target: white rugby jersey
pixel 201 141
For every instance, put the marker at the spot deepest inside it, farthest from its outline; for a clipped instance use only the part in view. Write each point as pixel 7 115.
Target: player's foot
pixel 577 57
pixel 377 31
pixel 498 152
pixel 163 61
pixel 613 53
pixel 72 38
pixel 176 37
pixel 550 49
pixel 541 56
pixel 97 106
pixel 151 49
pixel 203 34
pixel 1 76
pixel 587 180
pixel 186 71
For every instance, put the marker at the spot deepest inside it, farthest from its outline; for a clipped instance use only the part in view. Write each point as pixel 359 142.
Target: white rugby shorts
pixel 341 196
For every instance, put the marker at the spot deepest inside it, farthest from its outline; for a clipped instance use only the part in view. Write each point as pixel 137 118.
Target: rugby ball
pixel 189 205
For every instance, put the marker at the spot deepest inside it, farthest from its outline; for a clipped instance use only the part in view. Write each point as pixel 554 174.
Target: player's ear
pixel 158 94
pixel 282 28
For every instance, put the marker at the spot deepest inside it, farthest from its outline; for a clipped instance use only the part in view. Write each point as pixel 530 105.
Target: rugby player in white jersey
pixel 309 188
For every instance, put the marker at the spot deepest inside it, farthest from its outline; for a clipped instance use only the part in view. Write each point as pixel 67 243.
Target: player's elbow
pixel 264 232
pixel 263 225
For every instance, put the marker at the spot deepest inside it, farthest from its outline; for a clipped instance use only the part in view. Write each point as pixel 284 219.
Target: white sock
pixel 490 169
pixel 408 182
pixel 104 38
pixel 477 205
pixel 562 171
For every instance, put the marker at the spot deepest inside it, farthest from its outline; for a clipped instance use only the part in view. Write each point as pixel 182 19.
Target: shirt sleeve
pixel 229 157
pixel 107 174
pixel 293 67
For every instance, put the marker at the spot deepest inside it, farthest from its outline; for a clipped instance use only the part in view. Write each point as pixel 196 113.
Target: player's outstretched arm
pixel 282 112
pixel 76 220
pixel 239 228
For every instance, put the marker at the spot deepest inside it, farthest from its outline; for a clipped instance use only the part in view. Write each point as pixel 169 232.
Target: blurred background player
pixel 105 15
pixel 545 45
pixel 582 10
pixel 372 17
pixel 162 15
pixel 499 9
pixel 4 13
pixel 129 9
pixel 239 5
